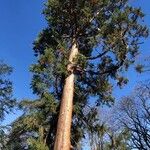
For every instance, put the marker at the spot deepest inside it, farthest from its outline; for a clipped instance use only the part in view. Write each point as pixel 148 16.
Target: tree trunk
pixel 62 140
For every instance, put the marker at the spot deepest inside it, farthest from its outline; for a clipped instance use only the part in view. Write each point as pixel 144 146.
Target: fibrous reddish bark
pixel 62 140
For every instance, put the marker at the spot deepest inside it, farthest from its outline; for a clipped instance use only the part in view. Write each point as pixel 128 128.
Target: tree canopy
pixel 107 34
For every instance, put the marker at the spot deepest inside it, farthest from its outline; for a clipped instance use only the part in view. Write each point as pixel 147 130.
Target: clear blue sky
pixel 20 23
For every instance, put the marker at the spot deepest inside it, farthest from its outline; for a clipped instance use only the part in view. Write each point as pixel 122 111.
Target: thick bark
pixel 62 140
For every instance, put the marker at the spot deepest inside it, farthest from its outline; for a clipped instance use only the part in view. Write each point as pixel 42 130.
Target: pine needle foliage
pixel 108 34
pixel 7 102
pixel 6 90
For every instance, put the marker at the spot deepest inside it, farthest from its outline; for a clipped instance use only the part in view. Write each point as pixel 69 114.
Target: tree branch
pixel 98 56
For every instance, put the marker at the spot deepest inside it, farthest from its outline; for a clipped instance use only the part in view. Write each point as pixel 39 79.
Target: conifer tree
pixel 7 102
pixel 86 44
pixel 83 51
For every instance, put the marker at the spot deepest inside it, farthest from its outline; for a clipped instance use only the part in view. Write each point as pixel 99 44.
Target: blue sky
pixel 20 23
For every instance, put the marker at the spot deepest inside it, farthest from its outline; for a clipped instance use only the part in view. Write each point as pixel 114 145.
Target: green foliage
pixel 3 138
pixel 105 138
pixel 139 68
pixel 36 145
pixel 106 133
pixel 31 129
pixel 144 66
pixel 107 34
pixel 6 100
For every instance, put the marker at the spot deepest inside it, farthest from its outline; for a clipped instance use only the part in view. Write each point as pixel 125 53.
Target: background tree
pixel 105 36
pixel 108 134
pixel 127 124
pixel 6 100
pixel 134 114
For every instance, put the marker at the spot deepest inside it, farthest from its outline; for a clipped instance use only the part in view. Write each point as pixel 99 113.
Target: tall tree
pixel 87 44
